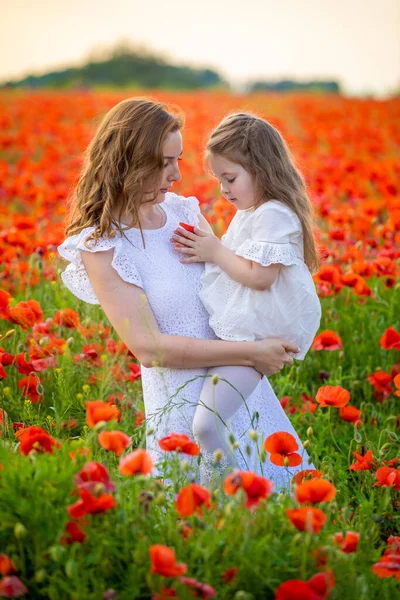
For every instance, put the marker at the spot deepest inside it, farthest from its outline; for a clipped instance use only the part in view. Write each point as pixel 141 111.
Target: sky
pixel 356 42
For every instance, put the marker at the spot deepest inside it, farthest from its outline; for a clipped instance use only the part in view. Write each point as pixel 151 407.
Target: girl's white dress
pixel 172 289
pixel 290 308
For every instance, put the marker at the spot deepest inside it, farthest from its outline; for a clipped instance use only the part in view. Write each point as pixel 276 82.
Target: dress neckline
pixel 150 230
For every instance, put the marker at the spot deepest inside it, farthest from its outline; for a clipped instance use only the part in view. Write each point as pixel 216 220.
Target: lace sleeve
pixel 275 231
pixel 267 253
pixel 75 276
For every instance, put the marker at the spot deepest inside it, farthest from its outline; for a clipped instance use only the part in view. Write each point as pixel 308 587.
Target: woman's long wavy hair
pixel 124 157
pixel 260 149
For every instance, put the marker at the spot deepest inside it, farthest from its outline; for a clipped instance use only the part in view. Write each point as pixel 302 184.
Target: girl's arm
pixel 128 310
pixel 204 246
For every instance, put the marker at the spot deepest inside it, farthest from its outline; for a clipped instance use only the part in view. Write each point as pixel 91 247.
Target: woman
pixel 122 258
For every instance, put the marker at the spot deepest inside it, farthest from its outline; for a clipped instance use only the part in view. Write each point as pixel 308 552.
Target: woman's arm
pixel 204 246
pixel 129 312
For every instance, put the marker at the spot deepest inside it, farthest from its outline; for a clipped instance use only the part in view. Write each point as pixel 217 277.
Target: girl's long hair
pixel 124 157
pixel 259 148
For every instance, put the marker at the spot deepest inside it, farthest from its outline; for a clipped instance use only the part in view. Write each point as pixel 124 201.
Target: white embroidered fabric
pixel 172 289
pixel 289 309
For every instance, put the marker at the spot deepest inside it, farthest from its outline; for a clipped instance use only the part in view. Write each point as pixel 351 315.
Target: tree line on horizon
pixel 126 66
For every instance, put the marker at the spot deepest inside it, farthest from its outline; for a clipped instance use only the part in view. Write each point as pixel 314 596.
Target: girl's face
pixel 172 151
pixel 237 185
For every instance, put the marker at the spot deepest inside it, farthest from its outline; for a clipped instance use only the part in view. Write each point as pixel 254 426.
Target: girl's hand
pixel 199 246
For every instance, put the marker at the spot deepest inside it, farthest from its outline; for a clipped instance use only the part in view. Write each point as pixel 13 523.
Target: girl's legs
pixel 218 403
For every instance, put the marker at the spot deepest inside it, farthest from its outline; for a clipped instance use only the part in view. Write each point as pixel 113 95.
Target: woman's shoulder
pixel 75 276
pixel 85 240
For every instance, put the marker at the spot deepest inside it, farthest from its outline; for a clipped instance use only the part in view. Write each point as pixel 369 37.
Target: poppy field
pixel 82 515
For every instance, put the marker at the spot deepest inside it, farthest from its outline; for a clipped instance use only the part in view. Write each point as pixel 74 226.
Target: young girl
pixel 257 280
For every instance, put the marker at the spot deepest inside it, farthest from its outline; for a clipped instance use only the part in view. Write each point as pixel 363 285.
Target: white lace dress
pixel 290 309
pixel 172 289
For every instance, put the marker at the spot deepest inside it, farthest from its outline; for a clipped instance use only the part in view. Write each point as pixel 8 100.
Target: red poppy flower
pixel 396 382
pixel 229 574
pixel 350 414
pixel 91 474
pixel 67 317
pixel 75 534
pixel 363 462
pixel 381 382
pixel 135 372
pixel 348 542
pixel 26 314
pixel 116 441
pixel 327 340
pixel 12 587
pixel 282 445
pixel 165 594
pixel 89 504
pixel 163 561
pixel 179 442
pixel 322 583
pixel 97 411
pixel 6 565
pixel 295 589
pixel 191 498
pixel 5 298
pixel 188 227
pixel 388 566
pixel 256 488
pixel 31 388
pixel 137 462
pixel 388 477
pixel 390 339
pixel 35 438
pixel 200 590
pixel 332 395
pixel 307 518
pixel 307 474
pixel 315 491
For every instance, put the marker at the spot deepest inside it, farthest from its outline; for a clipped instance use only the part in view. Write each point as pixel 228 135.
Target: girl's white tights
pixel 218 403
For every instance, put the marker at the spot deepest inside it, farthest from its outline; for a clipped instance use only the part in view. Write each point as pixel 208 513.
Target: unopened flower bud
pixel 100 425
pixel 159 499
pixel 40 575
pixel 306 444
pixel 218 455
pixel 20 531
pixel 228 509
pixel 215 379
pixel 8 334
pixel 253 435
pixel 286 461
pixel 310 432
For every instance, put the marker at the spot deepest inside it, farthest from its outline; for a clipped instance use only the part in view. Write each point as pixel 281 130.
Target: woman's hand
pixel 199 246
pixel 272 355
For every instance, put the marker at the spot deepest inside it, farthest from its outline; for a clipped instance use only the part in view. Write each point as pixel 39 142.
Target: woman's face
pixel 237 185
pixel 172 151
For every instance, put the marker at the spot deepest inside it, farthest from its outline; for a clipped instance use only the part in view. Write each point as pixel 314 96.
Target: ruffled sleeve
pixel 276 233
pixel 75 276
pixel 188 209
